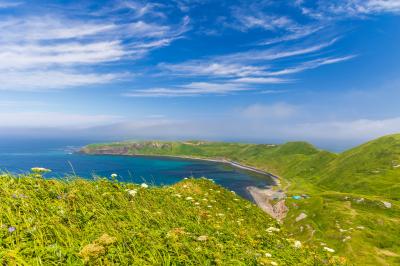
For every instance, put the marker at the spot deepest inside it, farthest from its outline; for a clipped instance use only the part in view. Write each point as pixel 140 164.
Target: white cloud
pixel 206 68
pixel 252 67
pixel 246 70
pixel 302 32
pixel 267 80
pixel 140 9
pixel 276 53
pixel 342 9
pixel 32 45
pixel 189 90
pixel 9 4
pixel 383 6
pixel 40 56
pixel 311 65
pixel 50 80
pixel 253 63
pixel 267 22
pixel 49 28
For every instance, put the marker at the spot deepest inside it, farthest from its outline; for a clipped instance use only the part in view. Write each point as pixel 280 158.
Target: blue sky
pixel 255 71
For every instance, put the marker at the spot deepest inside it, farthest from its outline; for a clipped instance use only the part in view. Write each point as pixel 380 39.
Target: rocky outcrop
pixel 264 198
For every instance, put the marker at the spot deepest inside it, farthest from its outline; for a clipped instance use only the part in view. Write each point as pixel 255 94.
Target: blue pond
pixel 60 156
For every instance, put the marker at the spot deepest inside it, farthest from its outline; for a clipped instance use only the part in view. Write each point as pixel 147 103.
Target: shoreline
pixel 224 161
pixel 263 197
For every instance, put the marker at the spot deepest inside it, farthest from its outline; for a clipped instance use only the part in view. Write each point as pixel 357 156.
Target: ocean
pixel 19 156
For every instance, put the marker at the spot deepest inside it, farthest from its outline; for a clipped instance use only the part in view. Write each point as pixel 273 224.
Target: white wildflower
pixel 346 238
pixel 273 229
pixel 197 203
pixel 114 175
pixel 387 204
pixel 274 263
pixel 189 198
pixel 202 238
pixel 132 192
pixel 268 255
pixel 329 249
pixel 297 244
pixel 144 185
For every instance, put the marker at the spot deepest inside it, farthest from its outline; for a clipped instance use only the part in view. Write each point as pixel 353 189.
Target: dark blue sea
pixel 20 155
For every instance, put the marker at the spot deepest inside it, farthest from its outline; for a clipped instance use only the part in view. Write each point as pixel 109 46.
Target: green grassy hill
pixel 348 191
pixel 101 222
pixel 372 168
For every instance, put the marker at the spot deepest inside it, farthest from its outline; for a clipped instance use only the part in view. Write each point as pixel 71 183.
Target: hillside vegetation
pixel 372 168
pixel 353 204
pixel 289 160
pixel 102 222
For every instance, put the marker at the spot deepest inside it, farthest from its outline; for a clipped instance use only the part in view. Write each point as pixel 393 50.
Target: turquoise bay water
pixel 61 157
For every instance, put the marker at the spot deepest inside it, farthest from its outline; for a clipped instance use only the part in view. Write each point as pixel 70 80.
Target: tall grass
pixel 102 222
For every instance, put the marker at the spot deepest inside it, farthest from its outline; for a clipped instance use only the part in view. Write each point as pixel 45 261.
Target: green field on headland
pixel 354 196
pixel 103 222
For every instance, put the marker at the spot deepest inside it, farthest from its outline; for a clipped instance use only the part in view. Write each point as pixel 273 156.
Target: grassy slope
pixel 335 182
pixel 100 223
pixel 367 169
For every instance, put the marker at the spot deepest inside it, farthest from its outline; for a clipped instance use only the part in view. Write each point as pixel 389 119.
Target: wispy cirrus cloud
pixel 45 80
pixel 262 80
pixel 311 65
pixel 252 63
pixel 138 9
pixel 339 10
pixel 69 45
pixel 68 54
pixel 301 33
pixel 10 4
pixel 276 53
pixel 212 67
pixel 190 90
pixel 247 69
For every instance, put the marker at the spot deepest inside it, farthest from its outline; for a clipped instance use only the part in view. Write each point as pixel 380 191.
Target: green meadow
pixel 353 204
pixel 106 222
